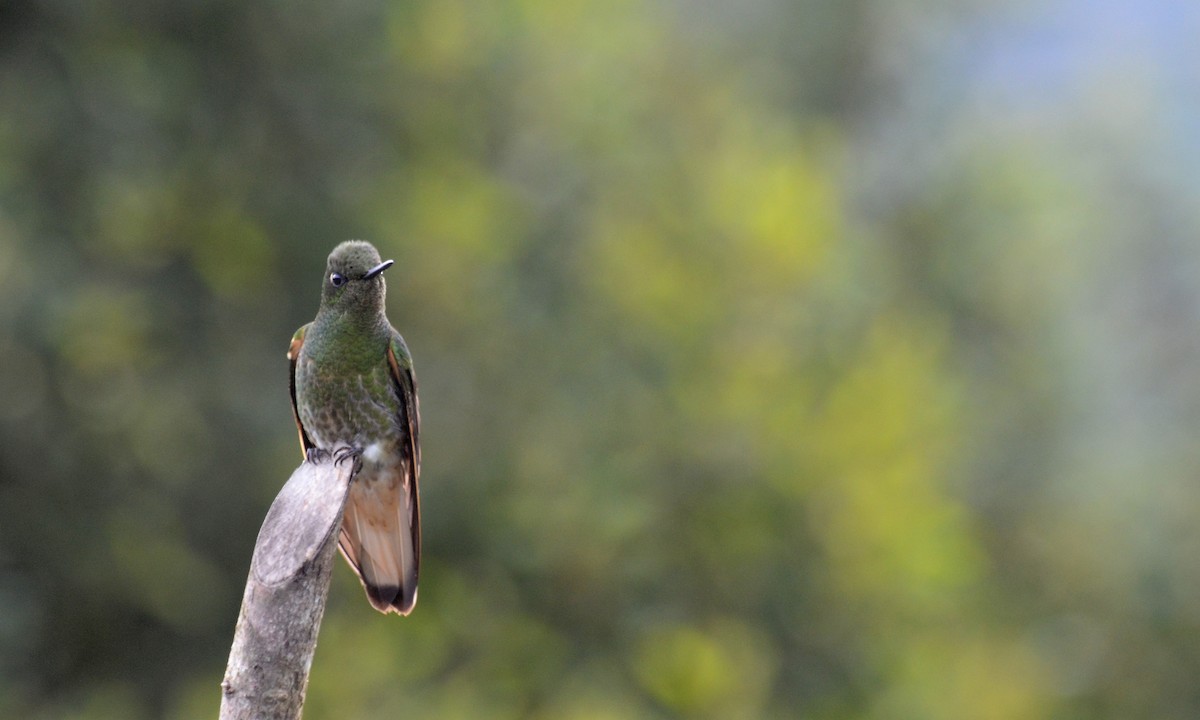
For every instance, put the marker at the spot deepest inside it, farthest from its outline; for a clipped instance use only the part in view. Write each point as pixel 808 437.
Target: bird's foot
pixel 316 455
pixel 346 453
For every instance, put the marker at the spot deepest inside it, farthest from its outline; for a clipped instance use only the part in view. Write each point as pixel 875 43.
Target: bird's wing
pixel 401 366
pixel 293 354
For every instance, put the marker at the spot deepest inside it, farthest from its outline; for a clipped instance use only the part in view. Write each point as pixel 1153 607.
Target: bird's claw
pixel 316 455
pixel 344 454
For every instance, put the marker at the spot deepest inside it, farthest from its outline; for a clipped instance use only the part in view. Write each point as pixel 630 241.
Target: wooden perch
pixel 285 594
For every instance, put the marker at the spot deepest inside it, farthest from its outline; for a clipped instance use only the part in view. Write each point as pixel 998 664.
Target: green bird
pixel 352 384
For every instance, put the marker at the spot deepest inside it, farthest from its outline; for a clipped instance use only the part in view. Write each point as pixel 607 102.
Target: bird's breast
pixel 360 409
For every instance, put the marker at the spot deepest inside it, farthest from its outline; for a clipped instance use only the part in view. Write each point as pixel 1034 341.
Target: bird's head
pixel 353 278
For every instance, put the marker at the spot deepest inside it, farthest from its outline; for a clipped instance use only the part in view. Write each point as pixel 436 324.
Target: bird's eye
pixel 337 279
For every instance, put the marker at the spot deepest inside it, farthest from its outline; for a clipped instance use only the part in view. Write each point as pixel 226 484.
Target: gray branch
pixel 285 595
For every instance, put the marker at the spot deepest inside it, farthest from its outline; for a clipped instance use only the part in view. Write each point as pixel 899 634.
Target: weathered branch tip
pixel 284 601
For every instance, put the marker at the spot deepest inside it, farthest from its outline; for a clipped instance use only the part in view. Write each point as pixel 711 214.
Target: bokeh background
pixel 812 359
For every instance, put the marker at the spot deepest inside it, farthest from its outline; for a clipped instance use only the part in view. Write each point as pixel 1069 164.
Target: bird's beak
pixel 378 269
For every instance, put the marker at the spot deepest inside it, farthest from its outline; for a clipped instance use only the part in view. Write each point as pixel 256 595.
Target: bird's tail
pixel 380 538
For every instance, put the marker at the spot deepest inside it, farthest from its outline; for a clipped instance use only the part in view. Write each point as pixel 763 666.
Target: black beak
pixel 378 269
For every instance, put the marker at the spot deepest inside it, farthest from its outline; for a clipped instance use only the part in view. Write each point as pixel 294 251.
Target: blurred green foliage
pixel 720 419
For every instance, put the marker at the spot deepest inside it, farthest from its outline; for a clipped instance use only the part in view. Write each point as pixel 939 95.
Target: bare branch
pixel 285 594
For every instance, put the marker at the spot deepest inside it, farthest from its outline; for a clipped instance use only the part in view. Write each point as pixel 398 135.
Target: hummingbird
pixel 352 385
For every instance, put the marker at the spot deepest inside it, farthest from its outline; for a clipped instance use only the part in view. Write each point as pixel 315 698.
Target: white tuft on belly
pixel 374 453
